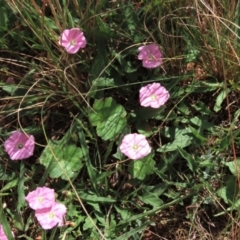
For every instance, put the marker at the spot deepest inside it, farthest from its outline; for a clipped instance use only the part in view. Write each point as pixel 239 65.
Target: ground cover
pixel 119 119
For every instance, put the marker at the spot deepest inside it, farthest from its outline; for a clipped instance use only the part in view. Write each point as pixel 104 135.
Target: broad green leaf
pixel 151 199
pixel 125 213
pixel 197 121
pixel 143 167
pixel 104 82
pixel 109 117
pixel 157 189
pixel 62 160
pixel 229 192
pixel 181 138
pixel 9 88
pixel 88 223
pixel 183 108
pixel 234 167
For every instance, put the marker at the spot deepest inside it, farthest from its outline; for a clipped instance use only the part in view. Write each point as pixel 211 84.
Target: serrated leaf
pixel 141 168
pixel 62 159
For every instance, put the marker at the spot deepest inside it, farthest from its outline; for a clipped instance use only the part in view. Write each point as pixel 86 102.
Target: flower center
pixel 40 199
pixel 20 146
pixel 72 42
pixel 151 57
pixel 153 97
pixel 51 215
pixel 135 147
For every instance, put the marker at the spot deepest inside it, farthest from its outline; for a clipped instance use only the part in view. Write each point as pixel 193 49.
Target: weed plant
pixel 79 107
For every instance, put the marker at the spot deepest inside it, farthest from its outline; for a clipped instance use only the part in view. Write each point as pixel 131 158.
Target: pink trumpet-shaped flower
pixel 153 95
pixel 135 146
pixel 42 197
pixel 50 217
pixel 72 39
pixel 19 145
pixel 150 55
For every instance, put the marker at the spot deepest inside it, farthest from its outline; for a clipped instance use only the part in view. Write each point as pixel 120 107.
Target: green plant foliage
pixel 234 167
pixel 62 160
pixel 80 106
pixel 142 168
pixel 109 118
pixel 229 192
pixel 181 138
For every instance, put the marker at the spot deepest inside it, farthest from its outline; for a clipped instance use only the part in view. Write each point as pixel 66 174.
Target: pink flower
pixel 40 198
pixel 153 95
pixel 50 217
pixel 150 55
pixel 135 146
pixel 72 39
pixel 19 145
pixel 2 234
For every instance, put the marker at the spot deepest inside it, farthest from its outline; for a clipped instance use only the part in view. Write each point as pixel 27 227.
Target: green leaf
pixel 198 135
pixel 5 224
pixel 234 167
pixel 191 161
pixel 62 160
pixel 104 82
pixel 5 176
pixel 92 197
pixel 18 221
pixel 229 192
pixel 143 167
pixel 10 185
pixel 21 195
pixel 109 117
pixel 151 199
pixel 220 98
pixel 133 231
pixel 89 224
pixel 182 138
pixel 147 113
pixel 9 88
